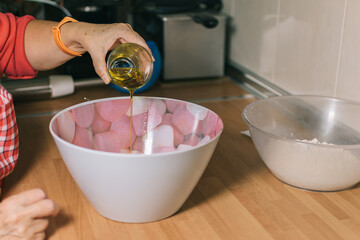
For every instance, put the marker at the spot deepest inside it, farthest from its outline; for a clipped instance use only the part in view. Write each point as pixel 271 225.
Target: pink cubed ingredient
pixel 182 147
pixel 135 152
pixel 184 120
pixel 55 128
pixel 84 115
pixel 154 118
pixel 146 121
pixel 140 105
pixel 66 126
pixel 197 111
pixel 200 127
pixel 83 137
pixel 167 119
pixel 99 124
pixel 162 136
pixel 171 105
pixel 178 136
pixel 107 141
pixel 122 127
pixel 210 123
pixel 139 123
pixel 204 140
pixel 219 126
pixel 159 105
pixel 125 151
pixel 138 144
pixel 163 149
pixel 113 110
pixel 191 140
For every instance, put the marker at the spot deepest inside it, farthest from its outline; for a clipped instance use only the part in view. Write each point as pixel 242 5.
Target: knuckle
pixel 13 219
pixel 22 230
pixel 127 25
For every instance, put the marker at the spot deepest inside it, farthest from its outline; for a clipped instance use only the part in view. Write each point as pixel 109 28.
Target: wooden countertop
pixel 236 198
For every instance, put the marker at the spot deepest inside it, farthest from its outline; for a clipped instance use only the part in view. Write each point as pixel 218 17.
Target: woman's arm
pixel 97 39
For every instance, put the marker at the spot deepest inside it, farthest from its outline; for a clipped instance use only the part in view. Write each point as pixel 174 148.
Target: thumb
pixel 98 59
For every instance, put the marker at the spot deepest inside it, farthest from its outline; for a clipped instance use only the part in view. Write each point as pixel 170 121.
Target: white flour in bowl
pixel 314 140
pixel 318 167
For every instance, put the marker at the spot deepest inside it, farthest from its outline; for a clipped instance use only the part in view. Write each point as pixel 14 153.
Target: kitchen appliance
pixel 193 45
pixel 190 35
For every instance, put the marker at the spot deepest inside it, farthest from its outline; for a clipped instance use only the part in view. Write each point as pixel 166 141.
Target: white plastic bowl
pixel 309 142
pixel 148 185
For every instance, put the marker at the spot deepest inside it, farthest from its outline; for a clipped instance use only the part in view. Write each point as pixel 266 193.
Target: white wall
pixel 303 46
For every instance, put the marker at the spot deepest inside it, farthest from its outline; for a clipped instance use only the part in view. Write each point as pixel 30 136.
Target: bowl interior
pixel 326 119
pixel 157 125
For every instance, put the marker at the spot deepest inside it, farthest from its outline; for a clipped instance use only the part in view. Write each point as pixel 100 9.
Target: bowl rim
pixel 55 136
pixel 291 140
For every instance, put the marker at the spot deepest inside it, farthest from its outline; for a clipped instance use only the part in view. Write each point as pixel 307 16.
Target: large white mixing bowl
pixel 171 151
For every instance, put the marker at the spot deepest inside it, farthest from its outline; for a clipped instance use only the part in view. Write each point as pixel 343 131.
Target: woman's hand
pixel 98 39
pixel 25 215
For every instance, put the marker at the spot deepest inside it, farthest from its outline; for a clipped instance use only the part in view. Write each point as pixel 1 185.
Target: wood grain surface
pixel 236 198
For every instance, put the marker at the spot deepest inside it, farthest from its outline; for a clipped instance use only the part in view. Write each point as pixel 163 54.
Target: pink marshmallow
pixel 162 136
pixel 113 110
pixel 99 124
pixel 55 128
pixel 191 140
pixel 146 121
pixel 163 149
pixel 219 126
pixel 83 137
pixel 184 120
pixel 122 127
pixel 154 118
pixel 138 144
pixel 178 136
pixel 66 126
pixel 135 152
pixel 171 105
pixel 167 119
pixel 197 111
pixel 210 123
pixel 139 123
pixel 200 127
pixel 125 151
pixel 159 105
pixel 182 147
pixel 204 140
pixel 107 141
pixel 140 105
pixel 84 115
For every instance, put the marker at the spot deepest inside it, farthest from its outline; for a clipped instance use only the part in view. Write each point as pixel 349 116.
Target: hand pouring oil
pixel 130 67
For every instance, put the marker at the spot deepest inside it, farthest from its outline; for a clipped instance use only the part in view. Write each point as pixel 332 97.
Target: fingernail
pixel 153 59
pixel 105 79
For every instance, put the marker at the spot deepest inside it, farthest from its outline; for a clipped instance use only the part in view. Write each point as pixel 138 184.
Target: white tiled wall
pixel 304 47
